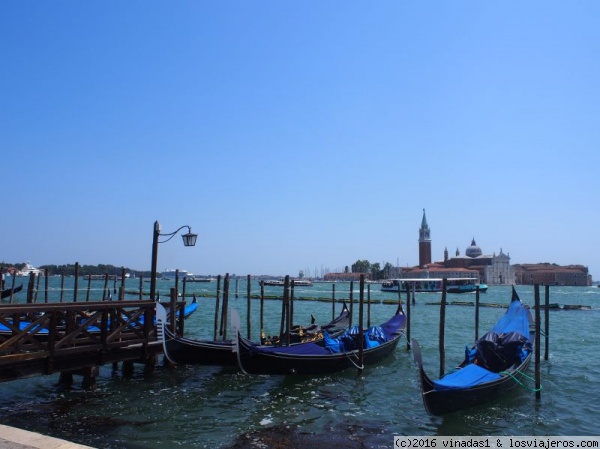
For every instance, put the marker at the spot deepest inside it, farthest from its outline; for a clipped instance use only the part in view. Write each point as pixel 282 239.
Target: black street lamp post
pixel 189 239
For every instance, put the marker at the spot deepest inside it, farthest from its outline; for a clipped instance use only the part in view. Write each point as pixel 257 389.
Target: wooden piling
pixel 361 341
pixel 37 288
pixel 12 291
pixel 30 288
pixel 216 323
pixel 368 305
pixel 288 318
pixel 262 308
pixel 442 329
pixel 249 308
pixel 407 319
pixel 105 291
pixel 127 367
pixel 225 310
pixel 282 324
pixel 76 284
pixel 351 302
pixel 332 302
pixel 123 281
pixel 46 285
pixel 536 289
pixel 476 312
pixel 172 308
pixel 547 322
pixel 292 288
pixel 62 287
pixel 89 288
pixel 141 294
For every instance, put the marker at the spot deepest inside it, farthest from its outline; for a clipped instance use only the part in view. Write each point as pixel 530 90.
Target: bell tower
pixel 424 243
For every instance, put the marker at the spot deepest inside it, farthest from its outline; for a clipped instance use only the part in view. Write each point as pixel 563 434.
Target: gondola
pixel 6 293
pixel 181 350
pixel 327 356
pixel 495 365
pixel 187 310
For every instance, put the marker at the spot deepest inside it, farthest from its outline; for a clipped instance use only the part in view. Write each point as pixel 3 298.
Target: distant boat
pixel 29 269
pixel 433 285
pixel 297 282
pixel 273 282
pixel 170 274
pixel 193 278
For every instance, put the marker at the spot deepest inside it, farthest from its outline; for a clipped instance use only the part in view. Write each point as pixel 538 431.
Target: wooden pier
pixel 77 338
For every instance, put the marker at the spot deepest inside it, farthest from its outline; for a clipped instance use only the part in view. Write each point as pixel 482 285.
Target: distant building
pixel 345 277
pixel 424 243
pixel 489 269
pixel 552 274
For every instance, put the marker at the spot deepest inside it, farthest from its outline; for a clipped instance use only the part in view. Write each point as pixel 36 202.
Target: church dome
pixel 473 250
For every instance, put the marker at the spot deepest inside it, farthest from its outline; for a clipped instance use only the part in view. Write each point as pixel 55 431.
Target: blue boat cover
pixel 298 349
pixel 516 319
pixel 375 334
pixel 469 376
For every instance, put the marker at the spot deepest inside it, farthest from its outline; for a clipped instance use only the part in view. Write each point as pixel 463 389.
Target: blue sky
pixel 298 135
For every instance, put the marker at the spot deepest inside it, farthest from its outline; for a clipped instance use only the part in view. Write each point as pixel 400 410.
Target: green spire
pixel 424 224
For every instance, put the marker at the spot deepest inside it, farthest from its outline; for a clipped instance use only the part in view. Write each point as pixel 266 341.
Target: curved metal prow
pixel 161 322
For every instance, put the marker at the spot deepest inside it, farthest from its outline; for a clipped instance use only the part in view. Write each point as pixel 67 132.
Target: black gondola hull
pixel 198 352
pixel 183 350
pixel 6 293
pixel 255 362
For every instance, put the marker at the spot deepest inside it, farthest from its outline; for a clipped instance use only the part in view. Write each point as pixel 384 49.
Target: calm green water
pixel 196 406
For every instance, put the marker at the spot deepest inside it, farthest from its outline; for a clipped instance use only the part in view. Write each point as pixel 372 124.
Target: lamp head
pixel 189 239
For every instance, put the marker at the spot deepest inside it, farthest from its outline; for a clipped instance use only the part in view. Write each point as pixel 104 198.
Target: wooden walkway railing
pixel 38 339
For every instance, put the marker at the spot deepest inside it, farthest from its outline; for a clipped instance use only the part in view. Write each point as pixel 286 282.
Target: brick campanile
pixel 424 243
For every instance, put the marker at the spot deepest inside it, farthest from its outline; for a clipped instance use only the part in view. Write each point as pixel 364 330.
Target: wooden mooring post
pixel 368 305
pixel 351 302
pixel 407 318
pixel 476 312
pixel 332 301
pixel 361 339
pixel 536 289
pixel 248 305
pixel 224 312
pixel 442 329
pixel 262 309
pixel 547 322
pixel 217 300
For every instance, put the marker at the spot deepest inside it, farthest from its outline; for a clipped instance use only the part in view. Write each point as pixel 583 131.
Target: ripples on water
pixel 196 406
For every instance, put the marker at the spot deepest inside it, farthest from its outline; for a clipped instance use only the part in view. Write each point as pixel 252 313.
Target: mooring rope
pixel 512 375
pixel 352 361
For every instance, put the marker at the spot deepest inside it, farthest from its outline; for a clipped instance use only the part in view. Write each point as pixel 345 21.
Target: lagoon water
pixel 212 407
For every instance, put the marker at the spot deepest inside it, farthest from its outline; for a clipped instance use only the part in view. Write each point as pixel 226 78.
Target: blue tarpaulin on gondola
pixel 516 318
pixel 466 377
